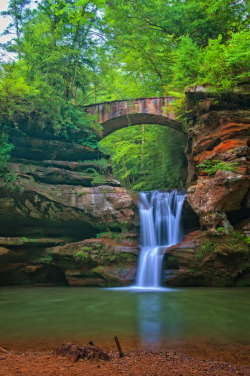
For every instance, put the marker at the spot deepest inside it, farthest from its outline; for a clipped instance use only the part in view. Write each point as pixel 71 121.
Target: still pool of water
pixel 139 318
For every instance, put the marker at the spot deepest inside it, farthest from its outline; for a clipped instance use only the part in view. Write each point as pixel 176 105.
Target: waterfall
pixel 160 214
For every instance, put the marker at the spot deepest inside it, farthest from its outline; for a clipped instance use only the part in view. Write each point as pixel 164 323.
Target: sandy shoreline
pixel 214 360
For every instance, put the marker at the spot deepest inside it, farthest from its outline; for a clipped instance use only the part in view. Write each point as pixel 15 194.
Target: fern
pixel 211 167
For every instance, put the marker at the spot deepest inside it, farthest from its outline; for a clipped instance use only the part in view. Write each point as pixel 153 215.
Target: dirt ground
pixel 185 360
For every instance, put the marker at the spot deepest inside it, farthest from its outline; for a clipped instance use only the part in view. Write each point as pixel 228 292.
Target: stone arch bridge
pixel 124 113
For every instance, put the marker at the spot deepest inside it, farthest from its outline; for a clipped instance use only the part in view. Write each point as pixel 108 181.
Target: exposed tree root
pixel 75 352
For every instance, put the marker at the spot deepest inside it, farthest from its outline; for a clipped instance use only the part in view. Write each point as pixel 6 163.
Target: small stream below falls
pixel 160 215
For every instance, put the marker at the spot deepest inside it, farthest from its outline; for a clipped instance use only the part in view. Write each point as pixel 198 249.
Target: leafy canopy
pixel 69 53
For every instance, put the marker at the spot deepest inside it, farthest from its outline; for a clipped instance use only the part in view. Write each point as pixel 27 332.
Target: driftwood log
pixel 76 352
pixel 2 350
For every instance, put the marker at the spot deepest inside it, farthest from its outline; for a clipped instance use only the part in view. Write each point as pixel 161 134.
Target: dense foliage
pixel 147 157
pixel 169 45
pixel 65 54
pixel 40 88
pixel 5 149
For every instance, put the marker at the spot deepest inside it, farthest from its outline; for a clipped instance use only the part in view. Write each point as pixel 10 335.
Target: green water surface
pixel 59 314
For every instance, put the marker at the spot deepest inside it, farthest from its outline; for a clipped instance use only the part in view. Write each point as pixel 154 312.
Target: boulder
pixel 212 197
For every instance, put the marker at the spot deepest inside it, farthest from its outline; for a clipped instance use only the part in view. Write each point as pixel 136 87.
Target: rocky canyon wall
pixel 218 255
pixel 221 133
pixel 63 193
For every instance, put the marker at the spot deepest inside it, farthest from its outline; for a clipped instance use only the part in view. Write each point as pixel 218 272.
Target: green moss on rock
pixel 218 260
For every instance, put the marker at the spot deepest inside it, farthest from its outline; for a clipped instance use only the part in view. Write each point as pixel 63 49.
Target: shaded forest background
pixel 66 54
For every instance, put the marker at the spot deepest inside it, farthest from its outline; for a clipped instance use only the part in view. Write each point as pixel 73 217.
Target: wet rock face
pixel 220 135
pixel 97 262
pixel 202 259
pixel 89 263
pixel 189 219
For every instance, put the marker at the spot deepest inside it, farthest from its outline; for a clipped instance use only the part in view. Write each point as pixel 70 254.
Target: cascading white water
pixel 160 214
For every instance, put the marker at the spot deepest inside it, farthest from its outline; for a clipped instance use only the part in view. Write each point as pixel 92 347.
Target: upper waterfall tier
pixel 160 214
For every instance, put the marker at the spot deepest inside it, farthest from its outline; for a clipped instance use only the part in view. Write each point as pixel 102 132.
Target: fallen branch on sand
pixel 2 350
pixel 118 346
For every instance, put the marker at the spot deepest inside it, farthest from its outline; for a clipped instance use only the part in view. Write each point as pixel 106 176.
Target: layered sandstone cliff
pixel 60 194
pixel 221 132
pixel 219 255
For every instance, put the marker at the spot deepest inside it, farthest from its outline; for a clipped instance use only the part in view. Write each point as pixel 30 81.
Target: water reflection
pixel 149 318
pixel 157 322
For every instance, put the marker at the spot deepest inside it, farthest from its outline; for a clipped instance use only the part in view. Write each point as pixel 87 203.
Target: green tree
pixel 147 157
pixel 40 90
pixel 186 64
pixel 225 65
pixel 162 42
pixel 19 12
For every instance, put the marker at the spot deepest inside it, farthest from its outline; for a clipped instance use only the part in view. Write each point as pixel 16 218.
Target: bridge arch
pixel 120 122
pixel 124 113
